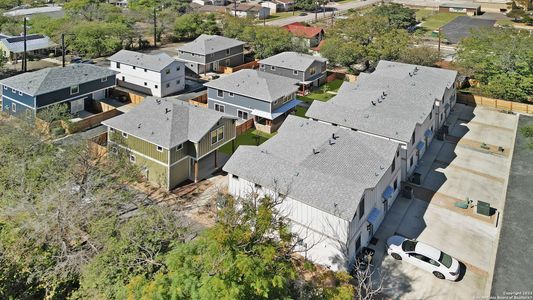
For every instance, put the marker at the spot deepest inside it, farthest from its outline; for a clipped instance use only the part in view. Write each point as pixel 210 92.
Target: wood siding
pixel 179 172
pixel 140 146
pixel 205 146
pixel 157 173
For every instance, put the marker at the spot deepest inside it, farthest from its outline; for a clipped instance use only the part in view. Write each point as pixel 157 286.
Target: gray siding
pixel 236 102
pixel 320 67
pixel 24 98
pixel 196 62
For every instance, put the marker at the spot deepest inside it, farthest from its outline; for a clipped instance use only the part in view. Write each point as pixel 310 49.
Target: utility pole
pixel 24 58
pixel 235 7
pixel 155 27
pixel 439 43
pixel 316 11
pixel 63 49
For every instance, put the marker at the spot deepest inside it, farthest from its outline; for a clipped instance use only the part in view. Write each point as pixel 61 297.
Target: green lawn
pixel 320 95
pixel 505 22
pixel 300 111
pixel 247 138
pixel 434 20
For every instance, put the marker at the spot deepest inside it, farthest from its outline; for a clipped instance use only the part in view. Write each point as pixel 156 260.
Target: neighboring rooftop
pixel 292 60
pixel 52 79
pixel 461 5
pixel 48 10
pixel 306 163
pixel 301 30
pixel 255 84
pixel 462 26
pixel 246 7
pixel 15 44
pixel 206 44
pixel 389 102
pixel 154 62
pixel 167 122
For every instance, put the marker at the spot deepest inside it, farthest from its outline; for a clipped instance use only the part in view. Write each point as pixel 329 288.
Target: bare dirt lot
pixel 469 164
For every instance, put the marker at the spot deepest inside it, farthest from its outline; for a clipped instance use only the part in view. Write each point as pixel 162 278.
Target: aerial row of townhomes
pixel 339 170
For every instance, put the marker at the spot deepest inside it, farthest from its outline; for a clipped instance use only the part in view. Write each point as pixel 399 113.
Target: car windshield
pixel 409 245
pixel 445 259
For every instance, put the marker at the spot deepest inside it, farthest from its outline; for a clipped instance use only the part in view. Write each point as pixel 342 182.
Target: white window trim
pixel 104 79
pixel 159 148
pixel 273 68
pixel 133 158
pixel 20 93
pixel 13 107
pixel 179 147
pixel 111 129
pixel 77 89
pixel 231 94
pixel 124 135
pixel 5 87
pixel 295 72
pixel 13 91
pixel 219 106
pixel 218 93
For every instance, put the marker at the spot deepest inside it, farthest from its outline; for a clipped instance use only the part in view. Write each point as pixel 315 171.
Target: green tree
pixel 398 16
pixel 190 26
pixel 422 55
pixel 363 39
pixel 266 41
pixel 234 27
pixel 501 59
pixel 95 39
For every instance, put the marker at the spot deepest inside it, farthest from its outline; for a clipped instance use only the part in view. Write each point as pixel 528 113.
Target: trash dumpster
pixel 483 208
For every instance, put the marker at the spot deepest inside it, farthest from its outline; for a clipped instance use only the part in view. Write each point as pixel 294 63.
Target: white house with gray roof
pixel 336 184
pixel 265 97
pixel 308 69
pixel 152 74
pixel 170 140
pixel 209 53
pixel 399 102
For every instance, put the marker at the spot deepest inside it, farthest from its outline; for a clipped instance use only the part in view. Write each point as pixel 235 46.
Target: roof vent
pixel 335 204
pixel 410 74
pixel 384 94
pixel 381 167
pixel 382 97
pixel 379 100
pixel 139 125
pixel 333 136
pixel 331 142
pixel 167 110
pixel 315 151
pixel 158 101
pixel 373 103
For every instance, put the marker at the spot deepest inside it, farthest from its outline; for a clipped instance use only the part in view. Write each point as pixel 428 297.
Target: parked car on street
pixel 442 265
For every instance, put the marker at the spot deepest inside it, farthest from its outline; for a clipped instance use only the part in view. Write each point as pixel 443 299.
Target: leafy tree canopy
pixel 397 15
pixel 190 26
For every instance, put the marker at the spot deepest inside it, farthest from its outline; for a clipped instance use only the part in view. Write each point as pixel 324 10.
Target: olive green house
pixel 172 141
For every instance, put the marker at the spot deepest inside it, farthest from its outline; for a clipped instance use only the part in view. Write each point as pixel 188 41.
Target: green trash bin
pixel 483 208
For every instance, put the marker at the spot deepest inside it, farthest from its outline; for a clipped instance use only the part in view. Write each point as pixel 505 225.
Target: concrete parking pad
pixel 452 171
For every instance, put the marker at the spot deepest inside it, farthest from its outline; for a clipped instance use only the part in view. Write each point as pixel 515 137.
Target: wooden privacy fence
pixel 249 65
pixel 241 128
pixel 97 145
pixel 474 100
pixel 334 76
pixel 90 121
pixel 199 100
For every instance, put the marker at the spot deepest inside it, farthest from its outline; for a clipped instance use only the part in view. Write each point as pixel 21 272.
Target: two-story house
pixel 25 94
pixel 334 185
pixel 309 70
pixel 265 97
pixel 310 35
pixel 208 53
pixel 172 141
pixel 399 102
pixel 154 75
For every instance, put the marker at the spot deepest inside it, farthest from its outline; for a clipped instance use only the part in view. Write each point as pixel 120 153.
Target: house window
pixel 395 185
pixel 431 115
pixel 5 87
pixel 118 65
pixel 178 81
pixel 231 94
pixel 227 62
pixel 74 89
pixel 145 84
pixel 362 208
pixel 257 186
pixel 179 147
pixel 132 158
pixel 28 113
pixel 312 71
pixel 167 71
pixel 159 148
pixel 124 135
pixel 217 135
pixel 168 85
pixel 134 67
pixel 111 129
pixel 145 70
pixel 413 138
pixel 272 68
pixel 411 161
pixel 393 165
pixel 123 78
pixel 156 86
pixel 242 114
pixel 13 91
pixel 219 107
pixel 263 67
pixel 357 243
pixel 234 176
pixel 178 68
pixel 397 153
pixel 227 51
pixel 114 150
pixel 20 93
pixel 295 72
pixel 220 93
pixel 104 79
pixel 13 107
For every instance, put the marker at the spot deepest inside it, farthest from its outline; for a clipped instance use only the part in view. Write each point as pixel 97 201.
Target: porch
pixel 208 165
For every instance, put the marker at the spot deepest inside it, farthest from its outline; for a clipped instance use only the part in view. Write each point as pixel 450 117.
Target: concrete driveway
pixel 453 170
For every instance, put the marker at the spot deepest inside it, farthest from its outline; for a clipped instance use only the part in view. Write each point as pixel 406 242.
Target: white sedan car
pixel 423 256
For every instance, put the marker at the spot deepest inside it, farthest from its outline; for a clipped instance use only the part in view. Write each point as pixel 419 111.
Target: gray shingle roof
pixel 154 62
pixel 52 79
pixel 333 180
pixel 408 101
pixel 292 60
pixel 166 122
pixel 207 44
pixel 33 42
pixel 256 84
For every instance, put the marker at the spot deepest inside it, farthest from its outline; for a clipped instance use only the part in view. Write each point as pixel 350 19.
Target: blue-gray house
pixel 76 84
pixel 250 94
